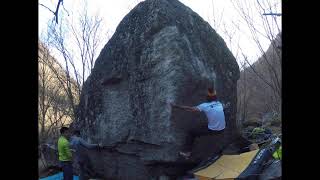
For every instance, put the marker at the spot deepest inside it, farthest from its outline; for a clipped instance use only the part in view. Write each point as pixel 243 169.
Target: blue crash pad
pixel 58 177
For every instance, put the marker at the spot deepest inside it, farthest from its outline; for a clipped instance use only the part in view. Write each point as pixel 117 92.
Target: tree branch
pixel 47 8
pixel 272 14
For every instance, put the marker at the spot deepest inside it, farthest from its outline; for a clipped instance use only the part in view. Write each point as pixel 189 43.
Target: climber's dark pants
pixel 67 170
pixel 195 133
pixel 82 175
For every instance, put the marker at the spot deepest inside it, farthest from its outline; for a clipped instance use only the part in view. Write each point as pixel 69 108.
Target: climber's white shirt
pixel 215 115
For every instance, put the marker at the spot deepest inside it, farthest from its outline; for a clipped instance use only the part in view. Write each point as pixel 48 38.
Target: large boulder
pixel 161 52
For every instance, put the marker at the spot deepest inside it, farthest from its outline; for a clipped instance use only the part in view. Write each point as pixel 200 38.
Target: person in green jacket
pixel 65 155
pixel 278 153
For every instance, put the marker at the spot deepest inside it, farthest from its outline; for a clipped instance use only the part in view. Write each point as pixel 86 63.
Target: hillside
pixel 53 104
pixel 259 88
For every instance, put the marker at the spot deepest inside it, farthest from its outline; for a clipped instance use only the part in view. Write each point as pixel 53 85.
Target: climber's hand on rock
pixel 99 147
pixel 172 104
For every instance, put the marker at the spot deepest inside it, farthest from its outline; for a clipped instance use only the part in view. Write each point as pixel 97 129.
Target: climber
pixel 65 156
pixel 77 143
pixel 215 116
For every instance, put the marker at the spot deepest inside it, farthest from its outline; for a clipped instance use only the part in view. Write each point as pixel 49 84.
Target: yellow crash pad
pixel 227 166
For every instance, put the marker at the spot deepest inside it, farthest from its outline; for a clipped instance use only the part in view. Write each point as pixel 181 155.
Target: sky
pixel 219 13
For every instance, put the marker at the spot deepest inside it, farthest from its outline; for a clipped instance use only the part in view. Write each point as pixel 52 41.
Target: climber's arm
pixel 88 145
pixel 187 108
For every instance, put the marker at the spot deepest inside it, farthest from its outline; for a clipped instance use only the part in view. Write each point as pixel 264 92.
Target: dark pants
pixel 67 170
pixel 83 175
pixel 195 133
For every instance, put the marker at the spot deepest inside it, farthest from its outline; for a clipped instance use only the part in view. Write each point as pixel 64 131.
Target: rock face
pixel 161 52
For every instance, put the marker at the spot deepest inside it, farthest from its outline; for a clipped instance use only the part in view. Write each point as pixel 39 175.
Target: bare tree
pixel 76 43
pixel 56 11
pixel 54 112
pixel 270 30
pixel 216 17
pixel 87 36
pixel 44 78
pixel 57 35
pixel 260 81
pixel 242 95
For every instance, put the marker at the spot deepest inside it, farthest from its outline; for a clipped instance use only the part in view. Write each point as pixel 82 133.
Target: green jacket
pixel 64 149
pixel 278 153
